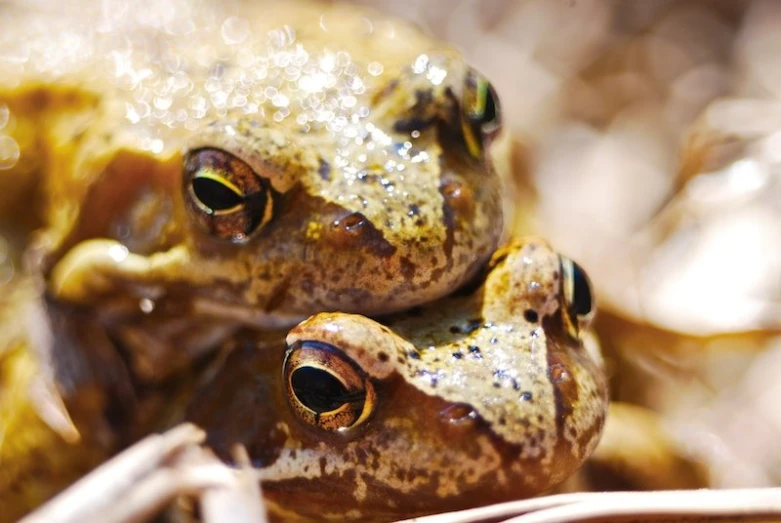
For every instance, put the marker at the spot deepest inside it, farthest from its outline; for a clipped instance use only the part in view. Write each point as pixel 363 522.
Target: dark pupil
pixel 489 116
pixel 581 299
pixel 215 195
pixel 318 390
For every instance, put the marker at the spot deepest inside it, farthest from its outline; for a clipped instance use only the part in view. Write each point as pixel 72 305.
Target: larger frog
pixel 249 164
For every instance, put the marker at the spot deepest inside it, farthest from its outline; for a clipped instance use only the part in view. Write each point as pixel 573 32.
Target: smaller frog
pixel 484 397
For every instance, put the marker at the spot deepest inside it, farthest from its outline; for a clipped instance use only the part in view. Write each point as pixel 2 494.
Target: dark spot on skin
pixel 494 341
pixel 414 355
pixel 527 396
pixel 414 210
pixel 400 359
pixel 502 421
pixel 325 170
pixel 448 217
pixel 472 325
pixel 474 350
pixel 531 316
pixel 407 268
pixel 455 329
pixel 497 384
pixel 457 355
pixel 431 377
pixel 383 357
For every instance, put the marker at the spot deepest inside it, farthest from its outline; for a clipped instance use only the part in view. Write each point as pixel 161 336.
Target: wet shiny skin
pixel 352 177
pixel 354 124
pixel 476 399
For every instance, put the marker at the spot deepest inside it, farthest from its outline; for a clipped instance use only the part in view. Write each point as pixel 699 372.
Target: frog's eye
pixel 224 195
pixel 481 116
pixel 578 295
pixel 325 388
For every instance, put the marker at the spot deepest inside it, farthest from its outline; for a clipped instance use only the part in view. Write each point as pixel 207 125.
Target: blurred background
pixel 646 141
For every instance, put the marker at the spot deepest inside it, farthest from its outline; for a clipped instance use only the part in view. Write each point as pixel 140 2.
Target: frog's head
pixel 483 398
pixel 396 209
pixel 381 207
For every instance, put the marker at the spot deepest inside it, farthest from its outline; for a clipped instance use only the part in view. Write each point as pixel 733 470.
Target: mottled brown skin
pixel 477 401
pixel 353 123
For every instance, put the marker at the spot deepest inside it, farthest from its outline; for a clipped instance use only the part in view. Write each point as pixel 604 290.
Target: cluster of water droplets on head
pixel 172 68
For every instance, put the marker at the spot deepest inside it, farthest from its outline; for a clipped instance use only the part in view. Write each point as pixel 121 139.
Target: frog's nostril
pixel 459 414
pixel 459 197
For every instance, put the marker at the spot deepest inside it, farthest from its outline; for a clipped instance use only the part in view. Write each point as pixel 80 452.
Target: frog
pixel 196 167
pixel 174 173
pixel 489 395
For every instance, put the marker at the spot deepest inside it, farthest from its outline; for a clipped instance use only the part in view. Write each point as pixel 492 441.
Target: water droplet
pixel 420 65
pixel 118 252
pixel 4 114
pixel 146 305
pixel 280 100
pixel 234 30
pixel 375 68
pixel 9 152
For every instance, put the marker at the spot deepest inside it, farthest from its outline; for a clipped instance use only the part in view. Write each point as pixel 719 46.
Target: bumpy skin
pixel 479 398
pixel 352 119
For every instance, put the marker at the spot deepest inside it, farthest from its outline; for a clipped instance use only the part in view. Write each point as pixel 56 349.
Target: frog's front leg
pixel 97 267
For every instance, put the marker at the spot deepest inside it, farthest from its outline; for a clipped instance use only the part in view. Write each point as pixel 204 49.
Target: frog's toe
pixel 93 268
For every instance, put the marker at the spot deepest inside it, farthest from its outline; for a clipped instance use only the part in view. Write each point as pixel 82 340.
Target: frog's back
pixel 145 76
pixel 160 68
